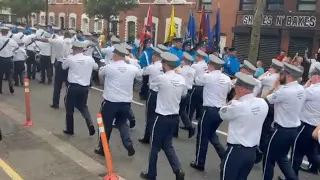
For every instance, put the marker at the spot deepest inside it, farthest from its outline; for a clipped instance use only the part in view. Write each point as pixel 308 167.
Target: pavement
pixel 48 151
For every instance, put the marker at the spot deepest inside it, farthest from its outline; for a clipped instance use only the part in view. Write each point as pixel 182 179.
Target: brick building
pixel 70 14
pixel 291 25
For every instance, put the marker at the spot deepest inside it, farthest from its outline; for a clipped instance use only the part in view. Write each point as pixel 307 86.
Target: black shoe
pixel 68 133
pixel 53 106
pixel 16 84
pixel 281 178
pixel 144 140
pixel 11 89
pixel 33 77
pixel 184 128
pixel 42 82
pixel 309 169
pixel 192 132
pixel 176 135
pixel 144 175
pixel 131 151
pixel 92 131
pixel 132 124
pixel 194 166
pixel 49 81
pixel 180 175
pixel 99 151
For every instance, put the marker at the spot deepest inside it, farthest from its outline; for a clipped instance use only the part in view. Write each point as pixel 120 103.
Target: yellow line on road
pixel 11 173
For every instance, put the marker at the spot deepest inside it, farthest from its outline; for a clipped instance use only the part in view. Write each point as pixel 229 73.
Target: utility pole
pixel 255 31
pixel 47 11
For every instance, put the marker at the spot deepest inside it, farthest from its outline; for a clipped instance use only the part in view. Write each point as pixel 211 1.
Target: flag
pixel 191 32
pixel 208 30
pixel 202 32
pixel 172 28
pixel 147 28
pixel 217 31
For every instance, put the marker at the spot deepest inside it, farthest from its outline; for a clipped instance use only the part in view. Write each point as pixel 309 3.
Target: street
pixel 44 152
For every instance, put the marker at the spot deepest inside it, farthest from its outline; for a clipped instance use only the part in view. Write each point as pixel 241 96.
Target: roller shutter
pixel 269 46
pixel 299 45
pixel 242 42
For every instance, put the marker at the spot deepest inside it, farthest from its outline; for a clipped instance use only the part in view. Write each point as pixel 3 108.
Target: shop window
pixel 275 5
pixel 306 5
pixel 247 5
pixel 207 5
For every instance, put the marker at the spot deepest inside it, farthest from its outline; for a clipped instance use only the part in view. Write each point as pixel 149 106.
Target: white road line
pixel 193 122
pixel 134 102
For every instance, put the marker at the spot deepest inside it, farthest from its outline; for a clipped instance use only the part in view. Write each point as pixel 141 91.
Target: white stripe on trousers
pixel 154 125
pixel 200 131
pixel 266 159
pixel 190 102
pixel 225 164
pixel 295 143
pixel 65 102
pixel 102 105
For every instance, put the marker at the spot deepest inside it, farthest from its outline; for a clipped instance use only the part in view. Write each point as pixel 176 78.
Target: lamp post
pixel 47 11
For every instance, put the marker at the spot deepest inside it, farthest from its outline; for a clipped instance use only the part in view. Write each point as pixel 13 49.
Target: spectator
pixel 232 64
pixel 259 70
pixel 313 62
pixel 281 55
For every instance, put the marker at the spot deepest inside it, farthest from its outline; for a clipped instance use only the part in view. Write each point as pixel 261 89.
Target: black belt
pixel 240 146
pixel 170 115
pixel 276 125
pixel 75 84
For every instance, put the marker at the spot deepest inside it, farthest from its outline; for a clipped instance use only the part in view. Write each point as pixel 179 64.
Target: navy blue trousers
pixel 161 138
pixel 61 76
pixel 151 104
pixel 195 102
pixel 207 127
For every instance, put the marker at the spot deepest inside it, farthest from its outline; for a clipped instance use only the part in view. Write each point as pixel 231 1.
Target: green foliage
pixel 23 7
pixel 106 8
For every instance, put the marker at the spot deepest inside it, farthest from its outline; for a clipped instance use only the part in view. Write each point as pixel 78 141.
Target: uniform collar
pixel 215 72
pixel 120 61
pixel 247 96
pixel 170 72
pixel 292 83
pixel 316 84
pixel 186 65
pixel 201 61
pixel 157 62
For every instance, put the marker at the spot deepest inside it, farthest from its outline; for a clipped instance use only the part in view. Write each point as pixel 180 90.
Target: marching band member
pixel 176 48
pixel 108 52
pixel 245 115
pixel 188 73
pixel 171 87
pixel 162 47
pixel 250 69
pixel 195 103
pixel 288 101
pixel 145 60
pixel 118 94
pixel 80 69
pixel 7 46
pixel 216 86
pixel 19 58
pixel 153 71
pixel 46 63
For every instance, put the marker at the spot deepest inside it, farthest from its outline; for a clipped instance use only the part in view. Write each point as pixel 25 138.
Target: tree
pixel 104 9
pixel 24 8
pixel 255 32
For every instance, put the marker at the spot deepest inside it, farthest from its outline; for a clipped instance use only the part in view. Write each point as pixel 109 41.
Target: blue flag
pixel 191 32
pixel 217 30
pixel 210 37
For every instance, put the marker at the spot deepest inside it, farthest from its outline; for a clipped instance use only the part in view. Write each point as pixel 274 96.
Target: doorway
pixel 61 22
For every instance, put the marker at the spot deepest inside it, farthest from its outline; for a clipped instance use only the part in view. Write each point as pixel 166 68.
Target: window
pixel 306 5
pixel 247 5
pixel 114 27
pixel 51 20
pixel 275 5
pixel 131 29
pixel 72 23
pixel 99 25
pixel 42 20
pixel 207 5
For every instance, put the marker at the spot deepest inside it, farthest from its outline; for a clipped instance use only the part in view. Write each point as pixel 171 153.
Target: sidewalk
pixel 34 159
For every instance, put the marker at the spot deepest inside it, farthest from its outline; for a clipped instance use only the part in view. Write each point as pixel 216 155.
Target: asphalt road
pixel 127 167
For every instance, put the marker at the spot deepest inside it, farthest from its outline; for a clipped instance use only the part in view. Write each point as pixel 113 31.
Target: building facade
pixel 70 14
pixel 291 25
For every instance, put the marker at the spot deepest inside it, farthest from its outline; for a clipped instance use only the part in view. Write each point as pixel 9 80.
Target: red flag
pixel 147 28
pixel 202 32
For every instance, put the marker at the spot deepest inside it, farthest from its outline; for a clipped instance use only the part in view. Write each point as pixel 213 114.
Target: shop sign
pixel 283 21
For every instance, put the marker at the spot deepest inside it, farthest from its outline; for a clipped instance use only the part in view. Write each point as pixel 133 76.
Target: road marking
pixel 134 102
pixel 10 172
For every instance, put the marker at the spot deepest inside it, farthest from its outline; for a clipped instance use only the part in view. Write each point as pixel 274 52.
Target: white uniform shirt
pixel 288 101
pixel 108 52
pixel 80 68
pixel 132 61
pixel 267 82
pixel 118 82
pixel 62 48
pixel 27 40
pixel 216 86
pixel 7 51
pixel 189 74
pixel 310 112
pixel 153 71
pixel 45 48
pixel 246 117
pixel 201 67
pixel 171 87
pixel 313 64
pixel 20 54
